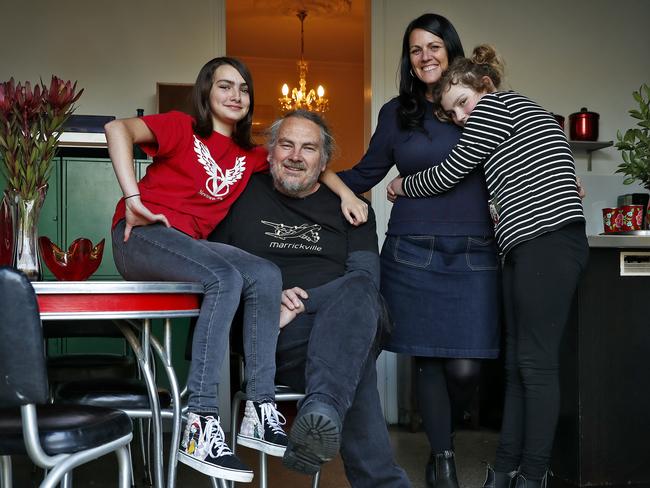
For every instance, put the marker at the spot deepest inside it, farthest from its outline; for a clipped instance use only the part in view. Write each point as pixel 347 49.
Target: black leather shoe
pixel 440 471
pixel 497 479
pixel 522 482
pixel 314 438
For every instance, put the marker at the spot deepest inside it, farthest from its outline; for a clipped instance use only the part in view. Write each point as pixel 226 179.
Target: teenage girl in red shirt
pixel 200 166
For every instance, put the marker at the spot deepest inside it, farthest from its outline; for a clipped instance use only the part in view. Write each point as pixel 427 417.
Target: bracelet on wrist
pixel 131 196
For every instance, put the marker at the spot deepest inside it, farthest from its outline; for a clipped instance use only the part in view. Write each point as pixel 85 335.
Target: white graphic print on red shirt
pixel 218 184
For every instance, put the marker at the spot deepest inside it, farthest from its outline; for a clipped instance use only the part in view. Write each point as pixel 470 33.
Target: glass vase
pixel 25 213
pixel 6 233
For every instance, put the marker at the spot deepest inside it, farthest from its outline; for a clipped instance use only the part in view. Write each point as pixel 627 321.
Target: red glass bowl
pixel 77 264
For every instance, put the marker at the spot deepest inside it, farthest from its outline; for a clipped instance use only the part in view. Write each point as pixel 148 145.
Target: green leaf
pixel 619 136
pixel 629 180
pixel 646 89
pixel 636 114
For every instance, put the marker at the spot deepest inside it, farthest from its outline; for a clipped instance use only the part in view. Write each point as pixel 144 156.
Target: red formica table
pixel 132 305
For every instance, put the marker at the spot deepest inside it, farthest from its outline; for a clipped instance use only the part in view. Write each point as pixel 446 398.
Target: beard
pixel 294 186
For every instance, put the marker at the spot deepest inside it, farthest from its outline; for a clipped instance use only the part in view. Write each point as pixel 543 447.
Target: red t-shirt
pixel 193 181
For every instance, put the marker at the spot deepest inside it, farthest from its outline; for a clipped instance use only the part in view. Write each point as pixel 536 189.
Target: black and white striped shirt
pixel 529 168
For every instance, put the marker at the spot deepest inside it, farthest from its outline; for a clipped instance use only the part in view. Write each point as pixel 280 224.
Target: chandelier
pixel 312 100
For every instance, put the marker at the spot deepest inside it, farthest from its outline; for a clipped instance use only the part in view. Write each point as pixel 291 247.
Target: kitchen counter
pixel 603 429
pixel 640 239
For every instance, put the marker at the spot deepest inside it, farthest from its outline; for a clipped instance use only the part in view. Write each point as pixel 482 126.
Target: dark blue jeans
pixel 330 355
pixel 155 252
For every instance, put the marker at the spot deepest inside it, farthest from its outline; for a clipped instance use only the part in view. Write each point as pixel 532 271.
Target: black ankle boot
pixel 440 471
pixel 523 482
pixel 497 479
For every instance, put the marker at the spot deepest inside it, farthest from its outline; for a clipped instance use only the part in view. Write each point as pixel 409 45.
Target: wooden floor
pixel 473 448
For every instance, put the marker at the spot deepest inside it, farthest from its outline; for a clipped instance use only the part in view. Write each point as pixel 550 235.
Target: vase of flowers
pixel 31 121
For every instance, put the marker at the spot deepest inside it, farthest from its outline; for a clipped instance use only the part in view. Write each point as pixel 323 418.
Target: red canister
pixel 583 125
pixel 632 217
pixel 612 220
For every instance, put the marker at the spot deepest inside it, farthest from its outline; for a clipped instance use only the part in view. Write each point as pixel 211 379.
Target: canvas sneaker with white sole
pixel 261 428
pixel 204 448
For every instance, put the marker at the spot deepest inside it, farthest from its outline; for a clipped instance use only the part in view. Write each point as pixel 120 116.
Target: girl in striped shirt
pixel 540 230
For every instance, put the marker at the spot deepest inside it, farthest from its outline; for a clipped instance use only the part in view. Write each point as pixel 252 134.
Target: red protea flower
pixel 28 102
pixel 31 121
pixel 61 95
pixel 7 90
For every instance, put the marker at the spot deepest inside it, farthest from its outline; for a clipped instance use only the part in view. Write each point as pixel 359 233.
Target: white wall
pixel 117 50
pixel 563 54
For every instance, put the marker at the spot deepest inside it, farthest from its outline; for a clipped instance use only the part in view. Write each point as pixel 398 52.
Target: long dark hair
pixel 241 134
pixel 412 91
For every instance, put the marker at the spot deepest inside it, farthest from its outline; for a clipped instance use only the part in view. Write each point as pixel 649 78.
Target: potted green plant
pixel 635 143
pixel 31 121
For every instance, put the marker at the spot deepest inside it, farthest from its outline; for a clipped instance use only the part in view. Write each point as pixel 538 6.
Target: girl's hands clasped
pixel 394 189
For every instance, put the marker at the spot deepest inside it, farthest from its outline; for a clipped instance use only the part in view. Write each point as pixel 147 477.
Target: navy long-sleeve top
pixel 464 210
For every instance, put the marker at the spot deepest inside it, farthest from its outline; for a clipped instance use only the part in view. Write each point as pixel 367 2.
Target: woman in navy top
pixel 540 230
pixel 439 262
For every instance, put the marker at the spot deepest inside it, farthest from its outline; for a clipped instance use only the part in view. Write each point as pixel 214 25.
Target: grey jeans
pixel 157 253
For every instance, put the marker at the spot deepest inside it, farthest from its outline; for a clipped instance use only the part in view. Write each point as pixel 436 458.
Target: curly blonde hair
pixel 470 72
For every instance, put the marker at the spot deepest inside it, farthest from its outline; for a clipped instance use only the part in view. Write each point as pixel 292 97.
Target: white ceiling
pixel 269 29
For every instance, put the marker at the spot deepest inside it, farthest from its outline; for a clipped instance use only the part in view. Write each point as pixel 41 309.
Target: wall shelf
pixel 589 147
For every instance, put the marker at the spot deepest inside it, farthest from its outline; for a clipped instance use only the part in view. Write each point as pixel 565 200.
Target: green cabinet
pixel 89 193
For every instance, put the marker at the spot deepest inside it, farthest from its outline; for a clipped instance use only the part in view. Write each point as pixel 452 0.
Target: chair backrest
pixel 57 329
pixel 23 375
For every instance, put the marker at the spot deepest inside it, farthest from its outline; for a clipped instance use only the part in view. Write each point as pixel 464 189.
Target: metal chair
pixel 127 394
pixel 130 395
pixel 282 394
pixel 66 366
pixel 100 378
pixel 56 437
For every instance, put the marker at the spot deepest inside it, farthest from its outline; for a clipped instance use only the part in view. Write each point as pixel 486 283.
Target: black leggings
pixel 540 277
pixel 445 387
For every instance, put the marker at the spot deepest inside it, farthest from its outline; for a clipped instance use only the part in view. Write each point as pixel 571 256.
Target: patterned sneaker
pixel 314 438
pixel 204 448
pixel 261 428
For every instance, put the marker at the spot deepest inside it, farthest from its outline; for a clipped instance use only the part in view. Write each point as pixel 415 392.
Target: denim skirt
pixel 444 295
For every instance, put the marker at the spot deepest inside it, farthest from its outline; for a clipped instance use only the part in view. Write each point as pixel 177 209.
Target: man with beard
pixel 331 307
